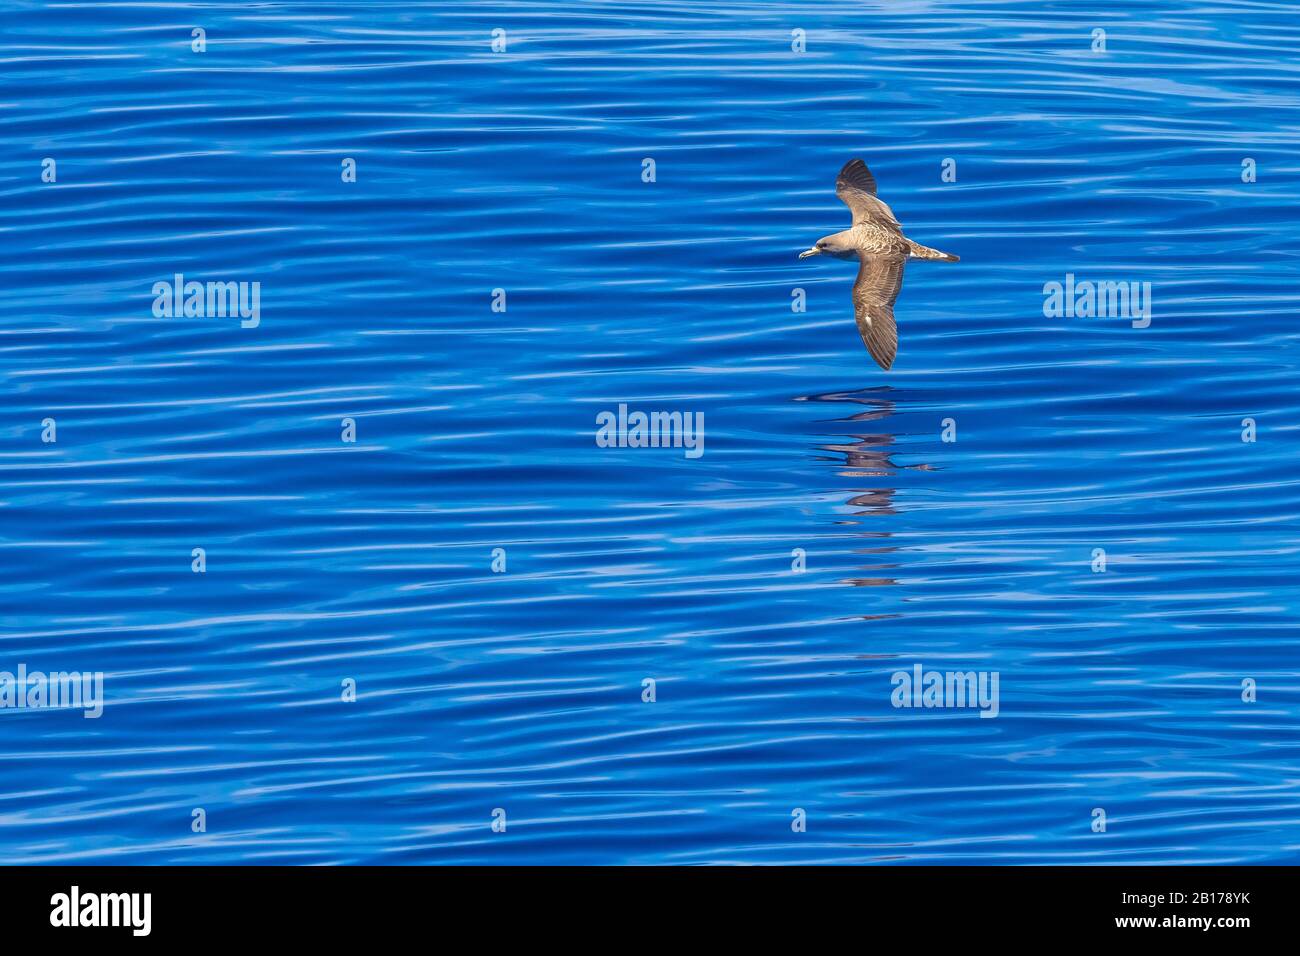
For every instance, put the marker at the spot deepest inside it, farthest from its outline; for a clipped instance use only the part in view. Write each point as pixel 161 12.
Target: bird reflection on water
pixel 863 449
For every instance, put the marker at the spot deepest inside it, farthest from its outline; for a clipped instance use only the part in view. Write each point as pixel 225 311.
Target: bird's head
pixel 837 245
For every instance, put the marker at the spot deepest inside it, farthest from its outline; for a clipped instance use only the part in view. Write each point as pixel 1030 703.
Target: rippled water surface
pixel 330 562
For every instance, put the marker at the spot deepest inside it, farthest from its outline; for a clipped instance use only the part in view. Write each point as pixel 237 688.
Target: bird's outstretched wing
pixel 857 188
pixel 874 292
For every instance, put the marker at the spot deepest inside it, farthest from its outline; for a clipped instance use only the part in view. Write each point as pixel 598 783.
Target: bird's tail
pixel 925 252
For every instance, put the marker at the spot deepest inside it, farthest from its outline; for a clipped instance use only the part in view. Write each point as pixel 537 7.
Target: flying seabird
pixel 876 240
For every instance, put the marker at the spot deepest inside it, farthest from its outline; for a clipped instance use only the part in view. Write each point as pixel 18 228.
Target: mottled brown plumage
pixel 876 240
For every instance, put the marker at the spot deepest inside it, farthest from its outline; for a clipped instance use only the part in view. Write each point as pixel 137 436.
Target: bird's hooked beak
pixel 814 251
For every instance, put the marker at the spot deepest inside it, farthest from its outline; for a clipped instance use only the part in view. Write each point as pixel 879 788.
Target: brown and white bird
pixel 876 240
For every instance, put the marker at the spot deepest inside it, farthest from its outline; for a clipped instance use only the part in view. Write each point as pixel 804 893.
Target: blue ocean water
pixel 1162 151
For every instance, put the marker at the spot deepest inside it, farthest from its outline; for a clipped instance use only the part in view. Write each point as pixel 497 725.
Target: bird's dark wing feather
pixel 874 293
pixel 857 188
pixel 855 175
